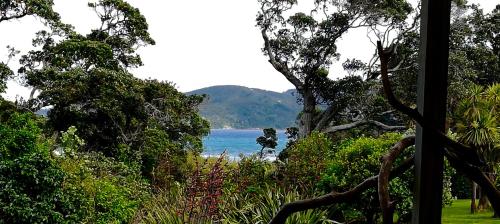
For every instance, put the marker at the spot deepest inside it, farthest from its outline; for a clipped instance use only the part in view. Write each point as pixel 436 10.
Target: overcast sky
pixel 199 43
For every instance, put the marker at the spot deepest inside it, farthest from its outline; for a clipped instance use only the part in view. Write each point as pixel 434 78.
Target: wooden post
pixel 431 103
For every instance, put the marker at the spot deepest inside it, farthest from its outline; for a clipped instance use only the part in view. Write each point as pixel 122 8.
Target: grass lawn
pixel 459 212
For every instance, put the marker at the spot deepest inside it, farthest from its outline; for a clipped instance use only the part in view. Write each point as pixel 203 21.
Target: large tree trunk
pixel 306 120
pixel 484 202
pixel 473 208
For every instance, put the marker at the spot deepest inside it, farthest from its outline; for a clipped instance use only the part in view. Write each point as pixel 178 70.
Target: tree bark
pixel 386 204
pixel 355 124
pixel 307 117
pixel 484 202
pixel 473 208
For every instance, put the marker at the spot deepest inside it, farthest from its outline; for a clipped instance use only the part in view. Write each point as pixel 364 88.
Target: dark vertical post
pixel 431 103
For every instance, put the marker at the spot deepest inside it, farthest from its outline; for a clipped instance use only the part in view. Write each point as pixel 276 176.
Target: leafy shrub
pixel 307 158
pixel 250 174
pixel 163 161
pixel 30 180
pixel 357 159
pixel 107 191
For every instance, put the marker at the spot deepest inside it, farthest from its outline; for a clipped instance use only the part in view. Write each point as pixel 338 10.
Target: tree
pixel 16 9
pixel 477 125
pixel 85 79
pixel 473 56
pixel 268 140
pixel 461 157
pixel 302 46
pixel 12 10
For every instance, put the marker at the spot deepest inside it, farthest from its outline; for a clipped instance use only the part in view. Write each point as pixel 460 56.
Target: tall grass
pixel 261 208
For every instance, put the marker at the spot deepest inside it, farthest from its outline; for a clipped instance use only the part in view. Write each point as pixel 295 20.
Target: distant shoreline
pixel 242 129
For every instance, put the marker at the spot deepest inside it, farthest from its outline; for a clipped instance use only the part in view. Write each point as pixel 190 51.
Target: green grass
pixel 459 212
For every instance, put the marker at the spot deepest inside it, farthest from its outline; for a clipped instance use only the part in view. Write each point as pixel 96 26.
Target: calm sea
pixel 237 141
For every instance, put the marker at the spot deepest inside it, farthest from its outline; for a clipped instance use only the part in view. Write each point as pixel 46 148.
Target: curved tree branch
pixel 279 66
pixel 335 197
pixel 461 157
pixel 465 152
pixel 363 122
pixel 383 177
pixel 19 16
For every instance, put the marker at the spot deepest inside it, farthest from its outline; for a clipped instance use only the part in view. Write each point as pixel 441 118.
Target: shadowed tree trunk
pixel 473 208
pixel 484 202
pixel 306 119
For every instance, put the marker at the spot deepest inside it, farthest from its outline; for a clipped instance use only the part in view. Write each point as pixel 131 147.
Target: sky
pixel 199 43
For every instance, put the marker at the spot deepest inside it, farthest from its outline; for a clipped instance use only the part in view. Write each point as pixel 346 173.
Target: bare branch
pixel 383 178
pixel 457 148
pixel 461 157
pixel 19 16
pixel 363 122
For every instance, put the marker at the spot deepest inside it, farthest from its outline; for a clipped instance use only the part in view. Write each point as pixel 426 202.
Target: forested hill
pixel 242 107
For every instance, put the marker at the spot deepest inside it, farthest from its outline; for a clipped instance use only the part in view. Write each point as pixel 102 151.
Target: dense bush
pixel 250 174
pixel 30 180
pixel 307 159
pixel 357 159
pixel 108 191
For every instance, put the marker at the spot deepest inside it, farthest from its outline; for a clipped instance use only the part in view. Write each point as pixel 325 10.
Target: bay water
pixel 238 141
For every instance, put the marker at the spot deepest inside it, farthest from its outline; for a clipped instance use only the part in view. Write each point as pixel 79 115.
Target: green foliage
pixel 107 191
pixel 198 201
pixel 474 55
pixel 307 159
pixel 461 187
pixel 357 159
pixel 262 207
pixel 162 208
pixel 15 9
pixel 250 175
pixel 5 73
pixel 124 117
pixel 303 46
pixel 30 180
pixel 478 118
pixel 70 142
pixel 268 140
pixel 85 79
pixel 124 28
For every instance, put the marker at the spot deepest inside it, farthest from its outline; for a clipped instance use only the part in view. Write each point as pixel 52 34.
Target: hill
pixel 242 107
